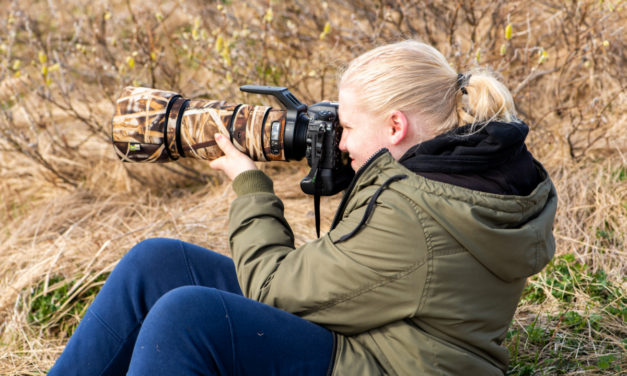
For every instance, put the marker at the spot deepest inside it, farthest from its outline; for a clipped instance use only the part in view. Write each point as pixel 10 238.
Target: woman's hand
pixel 234 162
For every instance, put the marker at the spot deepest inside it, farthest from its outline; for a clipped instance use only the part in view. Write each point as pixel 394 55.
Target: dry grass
pixel 69 209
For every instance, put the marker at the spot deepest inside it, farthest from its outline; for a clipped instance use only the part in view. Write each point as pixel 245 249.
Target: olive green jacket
pixel 428 286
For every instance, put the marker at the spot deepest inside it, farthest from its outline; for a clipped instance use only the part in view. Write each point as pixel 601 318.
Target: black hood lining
pixel 459 151
pixel 493 159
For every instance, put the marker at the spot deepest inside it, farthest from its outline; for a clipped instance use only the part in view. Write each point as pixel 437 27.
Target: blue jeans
pixel 174 308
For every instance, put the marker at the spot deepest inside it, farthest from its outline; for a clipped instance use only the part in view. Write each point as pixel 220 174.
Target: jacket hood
pixel 511 235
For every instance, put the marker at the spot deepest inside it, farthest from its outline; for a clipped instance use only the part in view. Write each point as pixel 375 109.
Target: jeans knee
pixel 148 254
pixel 151 249
pixel 186 305
pixel 188 325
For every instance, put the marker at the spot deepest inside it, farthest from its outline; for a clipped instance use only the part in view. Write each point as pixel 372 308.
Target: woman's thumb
pixel 224 143
pixel 217 164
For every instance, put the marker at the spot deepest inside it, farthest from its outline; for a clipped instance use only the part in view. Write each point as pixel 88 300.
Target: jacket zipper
pixel 358 174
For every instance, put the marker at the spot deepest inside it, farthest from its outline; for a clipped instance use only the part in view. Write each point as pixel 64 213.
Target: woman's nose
pixel 343 142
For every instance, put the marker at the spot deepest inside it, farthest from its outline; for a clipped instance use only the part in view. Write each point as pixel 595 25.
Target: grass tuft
pixel 577 331
pixel 54 309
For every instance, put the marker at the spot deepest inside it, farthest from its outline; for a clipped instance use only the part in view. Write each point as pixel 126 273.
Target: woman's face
pixel 362 135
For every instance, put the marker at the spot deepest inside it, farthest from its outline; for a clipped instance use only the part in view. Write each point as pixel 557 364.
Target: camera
pixel 155 126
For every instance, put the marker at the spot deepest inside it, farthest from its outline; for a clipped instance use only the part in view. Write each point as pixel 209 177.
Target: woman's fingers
pixel 225 144
pixel 233 162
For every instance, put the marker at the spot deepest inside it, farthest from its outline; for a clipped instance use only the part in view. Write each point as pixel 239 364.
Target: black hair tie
pixel 462 82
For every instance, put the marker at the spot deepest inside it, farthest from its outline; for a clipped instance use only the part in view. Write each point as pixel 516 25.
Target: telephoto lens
pixel 161 126
pixel 152 126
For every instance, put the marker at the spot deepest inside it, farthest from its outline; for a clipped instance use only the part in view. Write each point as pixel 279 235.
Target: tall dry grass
pixel 70 210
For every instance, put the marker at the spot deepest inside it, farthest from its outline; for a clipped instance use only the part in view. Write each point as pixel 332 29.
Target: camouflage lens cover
pixel 247 130
pixel 144 131
pixel 139 123
pixel 201 121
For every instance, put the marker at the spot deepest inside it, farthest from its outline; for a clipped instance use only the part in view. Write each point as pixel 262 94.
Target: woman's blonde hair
pixel 415 78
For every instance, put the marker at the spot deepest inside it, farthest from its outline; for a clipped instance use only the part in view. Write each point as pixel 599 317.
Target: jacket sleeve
pixel 372 279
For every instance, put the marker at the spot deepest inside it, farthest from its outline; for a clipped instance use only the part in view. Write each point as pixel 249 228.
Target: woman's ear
pixel 398 125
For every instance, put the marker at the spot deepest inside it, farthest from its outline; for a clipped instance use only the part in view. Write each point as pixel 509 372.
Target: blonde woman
pixel 420 274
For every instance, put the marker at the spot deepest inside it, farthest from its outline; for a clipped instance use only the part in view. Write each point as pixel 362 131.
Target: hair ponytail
pixel 415 78
pixel 485 99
